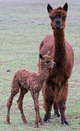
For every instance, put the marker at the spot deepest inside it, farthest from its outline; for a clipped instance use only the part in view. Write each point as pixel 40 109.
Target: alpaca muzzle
pixel 58 22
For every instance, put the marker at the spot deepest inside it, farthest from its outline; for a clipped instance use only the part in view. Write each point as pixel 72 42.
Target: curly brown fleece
pixel 25 81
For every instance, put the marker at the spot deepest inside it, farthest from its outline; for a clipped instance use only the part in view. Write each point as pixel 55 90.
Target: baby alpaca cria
pixel 25 81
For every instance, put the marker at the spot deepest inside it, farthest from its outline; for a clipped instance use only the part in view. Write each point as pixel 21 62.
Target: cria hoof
pixel 25 122
pixel 8 122
pixel 37 125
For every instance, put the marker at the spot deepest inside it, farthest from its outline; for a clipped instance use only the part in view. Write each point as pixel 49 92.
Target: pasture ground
pixel 23 25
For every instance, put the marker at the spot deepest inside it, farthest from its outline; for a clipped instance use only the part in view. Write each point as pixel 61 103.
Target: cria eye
pixel 47 62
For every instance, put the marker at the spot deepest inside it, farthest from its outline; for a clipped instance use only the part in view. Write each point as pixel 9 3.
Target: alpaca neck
pixel 59 47
pixel 43 73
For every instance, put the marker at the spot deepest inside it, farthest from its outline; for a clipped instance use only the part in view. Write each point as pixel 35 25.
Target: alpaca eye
pixel 59 16
pixel 52 18
pixel 63 17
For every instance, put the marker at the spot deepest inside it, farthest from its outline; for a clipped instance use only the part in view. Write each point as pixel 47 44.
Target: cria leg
pixel 23 91
pixel 9 103
pixel 38 119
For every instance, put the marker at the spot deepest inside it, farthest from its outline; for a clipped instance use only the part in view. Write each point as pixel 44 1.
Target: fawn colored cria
pixel 55 89
pixel 25 81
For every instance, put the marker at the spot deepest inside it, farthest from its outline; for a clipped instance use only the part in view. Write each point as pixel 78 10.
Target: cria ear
pixel 65 7
pixel 49 8
pixel 40 56
pixel 48 53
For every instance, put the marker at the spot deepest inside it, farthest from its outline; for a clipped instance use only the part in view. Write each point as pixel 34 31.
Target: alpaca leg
pixel 9 103
pixel 38 119
pixel 23 91
pixel 62 106
pixel 56 111
pixel 48 106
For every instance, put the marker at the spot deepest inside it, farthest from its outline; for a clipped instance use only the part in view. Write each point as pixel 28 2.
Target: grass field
pixel 23 25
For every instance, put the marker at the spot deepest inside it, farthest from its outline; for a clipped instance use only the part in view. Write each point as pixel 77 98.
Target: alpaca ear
pixel 40 56
pixel 49 8
pixel 65 7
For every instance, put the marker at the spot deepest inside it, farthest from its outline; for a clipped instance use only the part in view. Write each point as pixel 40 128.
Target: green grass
pixel 22 28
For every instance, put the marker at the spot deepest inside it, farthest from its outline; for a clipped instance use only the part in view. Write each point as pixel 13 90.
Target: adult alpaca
pixel 55 89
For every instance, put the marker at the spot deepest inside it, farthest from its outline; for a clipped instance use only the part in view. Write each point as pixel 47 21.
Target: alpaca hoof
pixel 47 121
pixel 47 117
pixel 57 114
pixel 65 123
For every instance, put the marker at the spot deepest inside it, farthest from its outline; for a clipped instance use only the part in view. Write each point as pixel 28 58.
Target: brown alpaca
pixel 55 89
pixel 23 81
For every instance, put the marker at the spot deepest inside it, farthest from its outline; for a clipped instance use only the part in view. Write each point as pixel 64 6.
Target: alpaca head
pixel 46 62
pixel 58 16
